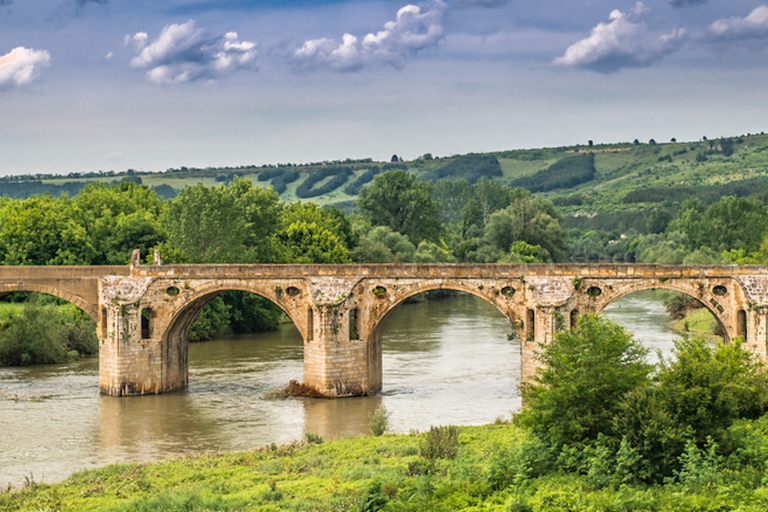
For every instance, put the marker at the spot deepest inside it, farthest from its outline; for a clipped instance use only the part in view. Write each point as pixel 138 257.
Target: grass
pixel 697 322
pixel 368 473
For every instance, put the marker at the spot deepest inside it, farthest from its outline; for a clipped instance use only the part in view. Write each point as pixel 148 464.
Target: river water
pixel 445 362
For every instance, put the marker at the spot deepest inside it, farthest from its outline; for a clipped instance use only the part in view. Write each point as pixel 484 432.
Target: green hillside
pixel 619 177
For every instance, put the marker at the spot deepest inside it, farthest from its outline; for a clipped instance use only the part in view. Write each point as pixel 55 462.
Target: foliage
pixel 533 221
pixel 354 188
pixel 440 443
pixel 212 320
pixel 307 242
pixel 379 421
pixel 565 173
pixel 339 175
pixel 44 230
pixel 41 336
pixel 585 373
pixel 382 245
pixel 471 168
pixel 398 201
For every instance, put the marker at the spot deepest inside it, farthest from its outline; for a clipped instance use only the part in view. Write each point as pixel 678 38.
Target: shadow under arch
pixel 670 286
pixel 174 339
pixel 78 301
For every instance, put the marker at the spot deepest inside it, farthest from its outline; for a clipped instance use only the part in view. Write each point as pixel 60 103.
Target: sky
pixel 90 85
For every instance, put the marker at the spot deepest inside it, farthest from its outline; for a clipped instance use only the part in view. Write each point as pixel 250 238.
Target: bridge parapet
pixel 144 312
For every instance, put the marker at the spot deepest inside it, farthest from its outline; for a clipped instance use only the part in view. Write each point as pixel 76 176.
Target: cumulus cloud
pixel 22 65
pixel 415 28
pixel 184 53
pixel 753 27
pixel 623 42
pixel 683 3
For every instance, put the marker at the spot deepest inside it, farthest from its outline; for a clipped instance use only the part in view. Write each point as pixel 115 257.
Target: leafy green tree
pixel 585 374
pixel 43 230
pixel 735 223
pixel 695 397
pixel 454 196
pixel 397 200
pixel 306 242
pixel 430 252
pixel 533 221
pixel 382 245
pixel 331 219
pixel 262 211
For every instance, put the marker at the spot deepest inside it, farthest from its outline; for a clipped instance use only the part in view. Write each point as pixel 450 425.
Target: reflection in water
pixel 444 362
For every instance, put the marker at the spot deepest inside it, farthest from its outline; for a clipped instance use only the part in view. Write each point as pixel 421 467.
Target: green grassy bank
pixel 493 468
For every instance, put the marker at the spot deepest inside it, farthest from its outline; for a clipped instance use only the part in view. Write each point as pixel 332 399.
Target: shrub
pixel 379 421
pixel 440 443
pixel 585 374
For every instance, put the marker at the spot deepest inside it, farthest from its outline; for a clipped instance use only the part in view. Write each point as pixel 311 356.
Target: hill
pixel 627 180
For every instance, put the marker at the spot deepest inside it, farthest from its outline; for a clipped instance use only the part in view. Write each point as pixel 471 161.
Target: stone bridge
pixel 143 313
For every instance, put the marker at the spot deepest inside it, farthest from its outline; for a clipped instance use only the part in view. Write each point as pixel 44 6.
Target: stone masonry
pixel 144 312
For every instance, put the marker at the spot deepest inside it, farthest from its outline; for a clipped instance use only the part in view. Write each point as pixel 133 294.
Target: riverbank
pixel 491 471
pixel 698 322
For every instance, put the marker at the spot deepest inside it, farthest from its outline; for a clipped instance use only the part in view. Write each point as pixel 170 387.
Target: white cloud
pixel 753 27
pixel 414 29
pixel 22 65
pixel 623 42
pixel 184 53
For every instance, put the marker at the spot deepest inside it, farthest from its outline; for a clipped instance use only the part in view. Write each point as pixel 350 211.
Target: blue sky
pixel 88 85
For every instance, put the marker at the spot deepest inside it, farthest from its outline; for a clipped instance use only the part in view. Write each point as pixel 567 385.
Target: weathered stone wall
pixel 144 312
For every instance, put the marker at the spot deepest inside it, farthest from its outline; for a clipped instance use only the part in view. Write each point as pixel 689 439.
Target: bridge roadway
pixel 143 313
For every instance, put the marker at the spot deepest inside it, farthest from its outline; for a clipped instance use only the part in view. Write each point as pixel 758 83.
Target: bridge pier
pixel 130 361
pixel 336 360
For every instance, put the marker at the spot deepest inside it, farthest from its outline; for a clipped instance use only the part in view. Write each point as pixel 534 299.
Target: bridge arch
pixel 399 294
pixel 183 311
pixel 90 309
pixel 695 289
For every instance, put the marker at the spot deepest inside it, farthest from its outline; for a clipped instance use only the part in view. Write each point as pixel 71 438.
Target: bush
pixel 40 336
pixel 440 443
pixel 379 421
pixel 585 374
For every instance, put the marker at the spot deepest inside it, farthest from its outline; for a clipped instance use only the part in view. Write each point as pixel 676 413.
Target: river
pixel 444 362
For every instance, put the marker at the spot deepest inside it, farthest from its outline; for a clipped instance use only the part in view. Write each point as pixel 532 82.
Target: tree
pixel 693 399
pixel 735 223
pixel 208 225
pixel 382 245
pixel 584 375
pixel 307 242
pixel 121 218
pixel 397 200
pixel 44 230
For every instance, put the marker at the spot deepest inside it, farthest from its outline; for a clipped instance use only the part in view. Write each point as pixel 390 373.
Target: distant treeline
pixel 354 188
pixel 708 194
pixel 29 188
pixel 307 188
pixel 565 173
pixel 470 168
pixel 280 178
